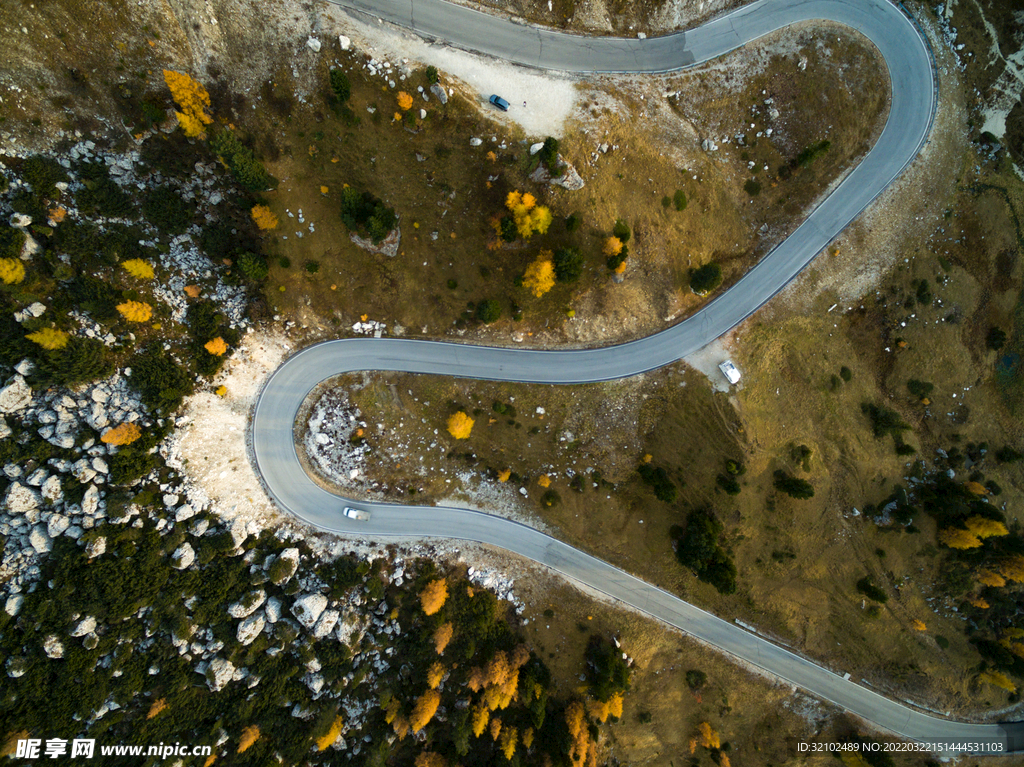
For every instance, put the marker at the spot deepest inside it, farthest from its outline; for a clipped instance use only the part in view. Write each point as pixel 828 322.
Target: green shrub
pixel 846 374
pixel 433 77
pixel 924 292
pixel 311 266
pixel 364 213
pixel 95 296
pixel 752 187
pixel 622 231
pixel 696 680
pixel 568 264
pixel 284 262
pixel 81 361
pixel 706 278
pixel 735 467
pixel 247 170
pixel 341 87
pixel 488 311
pixel 794 487
pixel 995 339
pixel 573 222
pixel 919 389
pixel 728 484
pixel 666 202
pixel 883 420
pixel 1007 454
pixel 161 381
pixel 607 671
pixel 942 642
pixel 904 449
pixel 699 548
pixel 551 498
pixel 657 479
pixel 613 261
pixel 871 591
pixel 253 267
pixel 11 242
pixel 679 198
pixel 167 211
pixel 549 155
pixel 811 153
pixel 43 174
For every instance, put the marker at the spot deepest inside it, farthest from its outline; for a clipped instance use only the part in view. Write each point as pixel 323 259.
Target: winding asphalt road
pixel 907 128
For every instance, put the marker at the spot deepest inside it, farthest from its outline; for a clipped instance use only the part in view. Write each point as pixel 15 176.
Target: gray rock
pixel 171 500
pixel 39 540
pixel 85 626
pixel 82 470
pixel 16 667
pixel 534 148
pixel 13 604
pixel 57 525
pixel 440 93
pixel 475 141
pixel 99 395
pixel 199 527
pixel 53 647
pixel 344 42
pixel 90 501
pixel 315 683
pixel 183 557
pixel 272 609
pixel 183 512
pixel 249 604
pixel 13 471
pixel 37 477
pixel 100 465
pixel 250 628
pixel 308 608
pixel 35 309
pixel 25 367
pixel 74 532
pixel 239 532
pixel 21 498
pixel 20 220
pixel 218 673
pixel 96 547
pixel 15 396
pixel 313 44
pixel 324 626
pixel 5 430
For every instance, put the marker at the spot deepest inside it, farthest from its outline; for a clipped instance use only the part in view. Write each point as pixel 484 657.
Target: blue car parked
pixel 499 102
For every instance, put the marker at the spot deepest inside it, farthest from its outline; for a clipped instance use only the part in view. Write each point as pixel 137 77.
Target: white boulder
pixel 53 647
pixel 15 396
pixel 21 499
pixel 308 608
pixel 39 540
pixel 250 628
pixel 324 626
pixel 13 604
pixel 344 42
pixel 249 604
pixel 183 557
pixel 85 626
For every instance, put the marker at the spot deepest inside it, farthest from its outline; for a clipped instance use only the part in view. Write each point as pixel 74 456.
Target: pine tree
pixel 49 338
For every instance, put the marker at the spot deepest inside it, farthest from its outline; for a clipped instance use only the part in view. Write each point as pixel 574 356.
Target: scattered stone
pixel 15 396
pixel 326 624
pixel 313 44
pixel 21 499
pixel 85 626
pixel 249 604
pixel 308 608
pixel 534 148
pixel 344 42
pixel 96 547
pixel 53 647
pixel 57 524
pixel 183 512
pixel 39 540
pixel 183 557
pixel 440 93
pixel 475 141
pixel 273 610
pixel 218 673
pixel 13 604
pixel 250 628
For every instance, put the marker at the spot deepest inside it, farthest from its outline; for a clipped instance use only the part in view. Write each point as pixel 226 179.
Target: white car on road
pixel 359 514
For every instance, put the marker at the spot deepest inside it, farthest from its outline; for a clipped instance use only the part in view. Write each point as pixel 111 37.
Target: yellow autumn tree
pixel 158 705
pixel 404 101
pixel 429 759
pixel 989 578
pixel 433 596
pixel 978 602
pixel 12 271
pixel 575 721
pixel 612 246
pixel 217 347
pixel 615 705
pixel 424 709
pixel 708 737
pixel 49 338
pixel 956 538
pixel 264 218
pixel 435 674
pixel 138 268
pixel 193 100
pixel 529 217
pixel 998 679
pixel 527 737
pixel 481 716
pixel 324 741
pixel 1013 568
pixel 544 480
pixel 460 425
pixel 598 710
pixel 10 745
pixel 135 311
pixel 442 637
pixel 976 487
pixel 391 710
pixel 401 727
pixel 509 741
pixel 503 476
pixel 123 434
pixel 495 728
pixel 249 736
pixel 540 274
pixel 497 669
pixel 918 625
pixel 983 527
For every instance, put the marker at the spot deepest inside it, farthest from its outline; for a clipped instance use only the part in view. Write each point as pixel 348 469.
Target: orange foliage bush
pixel 249 736
pixel 433 596
pixel 404 101
pixel 460 425
pixel 123 434
pixel 263 217
pixel 217 347
pixel 442 637
pixel 956 538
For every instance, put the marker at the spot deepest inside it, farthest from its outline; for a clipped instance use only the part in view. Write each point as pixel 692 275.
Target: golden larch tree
pixel 249 736
pixel 135 311
pixel 122 434
pixel 615 705
pixel 612 246
pixel 391 710
pixel 433 596
pixel 481 716
pixel 424 709
pixel 989 578
pixel 442 636
pixel 429 759
pixel 1012 568
pixel 12 271
pixel 918 625
pixel 708 737
pixel 193 100
pixel 435 674
pixel 503 476
pixel 540 274
pixel 978 602
pixel 264 217
pixel 158 705
pixel 575 721
pixel 404 101
pixel 983 527
pixel 217 347
pixel 527 737
pixel 956 538
pixel 460 425
pixel 544 480
pixel 401 727
pixel 138 268
pixel 509 741
pixel 976 487
pixel 324 741
pixel 497 669
pixel 49 338
pixel 998 679
pixel 598 710
pixel 495 728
